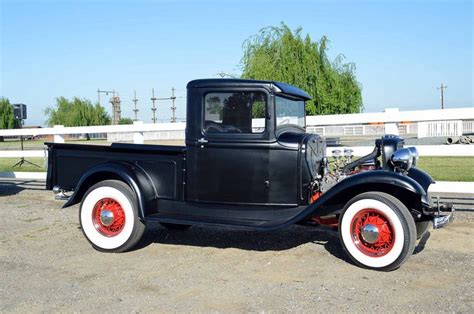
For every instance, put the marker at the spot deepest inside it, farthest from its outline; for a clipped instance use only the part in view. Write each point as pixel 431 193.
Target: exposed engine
pixel 388 154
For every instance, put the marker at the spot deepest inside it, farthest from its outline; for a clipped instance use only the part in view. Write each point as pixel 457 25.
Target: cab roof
pixel 277 87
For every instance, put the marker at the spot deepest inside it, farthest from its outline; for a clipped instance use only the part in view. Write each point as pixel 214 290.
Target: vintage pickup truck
pixel 248 163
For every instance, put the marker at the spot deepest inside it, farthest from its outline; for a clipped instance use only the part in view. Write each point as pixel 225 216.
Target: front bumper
pixel 443 220
pixel 443 214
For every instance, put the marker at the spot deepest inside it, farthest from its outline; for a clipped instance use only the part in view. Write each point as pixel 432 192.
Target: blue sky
pixel 403 50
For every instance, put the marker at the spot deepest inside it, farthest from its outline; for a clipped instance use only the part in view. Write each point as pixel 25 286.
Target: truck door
pixel 229 162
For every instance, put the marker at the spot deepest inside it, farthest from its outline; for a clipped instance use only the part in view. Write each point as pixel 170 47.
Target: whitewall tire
pixel 377 231
pixel 109 217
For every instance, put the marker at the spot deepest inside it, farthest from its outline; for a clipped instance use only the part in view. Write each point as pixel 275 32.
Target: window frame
pixel 237 136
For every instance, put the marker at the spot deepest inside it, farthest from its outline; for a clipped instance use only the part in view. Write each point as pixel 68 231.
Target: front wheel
pixel 109 217
pixel 377 231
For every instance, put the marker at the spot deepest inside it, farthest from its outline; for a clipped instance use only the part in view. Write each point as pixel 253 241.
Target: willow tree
pixel 7 119
pixel 76 112
pixel 278 54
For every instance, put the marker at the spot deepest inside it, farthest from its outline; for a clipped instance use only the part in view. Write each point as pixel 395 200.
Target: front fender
pixel 377 180
pixel 131 174
pixel 425 180
pixel 420 176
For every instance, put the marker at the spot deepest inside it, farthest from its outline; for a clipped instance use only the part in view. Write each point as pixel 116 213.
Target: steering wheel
pixel 285 121
pixel 219 128
pixel 232 129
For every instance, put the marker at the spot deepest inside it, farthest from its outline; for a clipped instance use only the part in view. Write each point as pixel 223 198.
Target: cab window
pixel 290 111
pixel 235 112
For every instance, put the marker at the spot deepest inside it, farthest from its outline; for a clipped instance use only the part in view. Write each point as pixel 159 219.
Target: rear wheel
pixel 377 231
pixel 109 217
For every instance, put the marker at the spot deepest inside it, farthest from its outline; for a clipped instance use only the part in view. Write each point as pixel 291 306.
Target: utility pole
pixel 153 109
pixel 441 89
pixel 135 109
pixel 173 107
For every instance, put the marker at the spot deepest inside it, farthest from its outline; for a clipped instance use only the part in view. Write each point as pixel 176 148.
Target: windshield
pixel 289 111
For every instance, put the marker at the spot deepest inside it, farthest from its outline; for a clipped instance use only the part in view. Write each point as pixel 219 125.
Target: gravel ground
pixel 47 265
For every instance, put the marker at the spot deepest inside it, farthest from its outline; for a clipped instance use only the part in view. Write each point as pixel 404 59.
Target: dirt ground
pixel 47 265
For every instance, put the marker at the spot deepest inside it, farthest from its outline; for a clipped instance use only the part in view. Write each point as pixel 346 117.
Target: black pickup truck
pixel 248 163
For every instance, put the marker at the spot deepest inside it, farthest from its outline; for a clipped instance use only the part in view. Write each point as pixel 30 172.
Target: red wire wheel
pixel 108 217
pixel 372 232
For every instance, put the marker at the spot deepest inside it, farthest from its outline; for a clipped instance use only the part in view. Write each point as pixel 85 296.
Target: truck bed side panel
pixel 68 163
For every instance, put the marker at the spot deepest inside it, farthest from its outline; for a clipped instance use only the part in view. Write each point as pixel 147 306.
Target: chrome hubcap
pixel 107 217
pixel 370 233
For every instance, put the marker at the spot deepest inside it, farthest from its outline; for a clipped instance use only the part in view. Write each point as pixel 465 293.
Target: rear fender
pixel 131 174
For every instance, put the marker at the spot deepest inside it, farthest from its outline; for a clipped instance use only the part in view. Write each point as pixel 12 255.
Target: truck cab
pixel 243 141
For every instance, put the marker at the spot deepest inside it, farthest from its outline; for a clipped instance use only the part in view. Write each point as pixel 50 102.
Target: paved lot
pixel 47 265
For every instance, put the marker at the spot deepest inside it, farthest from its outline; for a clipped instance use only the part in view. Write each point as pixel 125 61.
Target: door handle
pixel 202 140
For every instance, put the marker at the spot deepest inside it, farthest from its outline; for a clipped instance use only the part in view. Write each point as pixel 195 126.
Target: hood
pixel 311 146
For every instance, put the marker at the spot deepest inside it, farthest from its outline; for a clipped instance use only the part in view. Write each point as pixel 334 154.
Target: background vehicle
pixel 248 163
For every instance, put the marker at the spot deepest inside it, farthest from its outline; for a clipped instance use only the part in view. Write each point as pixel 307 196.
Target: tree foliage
pixel 76 112
pixel 125 120
pixel 7 119
pixel 278 54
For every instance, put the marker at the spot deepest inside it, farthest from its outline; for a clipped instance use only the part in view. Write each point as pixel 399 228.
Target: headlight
pixel 404 158
pixel 414 153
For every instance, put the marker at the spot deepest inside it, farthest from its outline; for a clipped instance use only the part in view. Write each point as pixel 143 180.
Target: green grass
pixel 440 168
pixel 6 164
pixel 448 168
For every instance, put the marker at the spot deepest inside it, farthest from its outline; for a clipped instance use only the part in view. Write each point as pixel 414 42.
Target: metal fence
pixel 419 123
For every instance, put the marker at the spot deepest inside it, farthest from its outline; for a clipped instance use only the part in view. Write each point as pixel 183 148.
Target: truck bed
pixel 67 163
